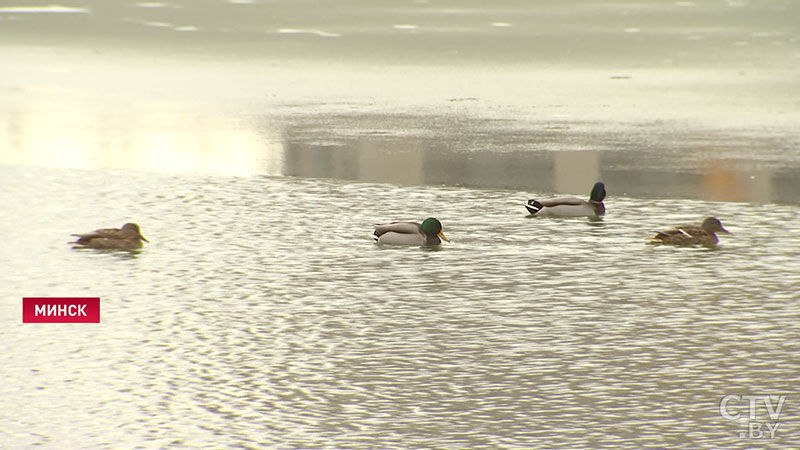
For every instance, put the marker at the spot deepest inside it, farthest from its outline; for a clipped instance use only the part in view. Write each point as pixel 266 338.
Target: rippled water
pixel 262 314
pixel 256 143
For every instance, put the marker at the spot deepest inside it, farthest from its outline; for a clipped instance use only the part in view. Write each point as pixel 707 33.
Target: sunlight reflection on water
pixel 665 163
pixel 261 304
pixel 257 143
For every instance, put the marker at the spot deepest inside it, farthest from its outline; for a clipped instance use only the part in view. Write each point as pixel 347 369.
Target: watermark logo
pixel 61 310
pixel 747 407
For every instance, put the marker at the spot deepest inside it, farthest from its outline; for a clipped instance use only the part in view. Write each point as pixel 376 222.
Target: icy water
pixel 256 143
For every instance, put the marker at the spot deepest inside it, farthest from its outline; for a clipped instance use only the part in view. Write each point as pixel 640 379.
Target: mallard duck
pixel 129 237
pixel 571 206
pixel 429 232
pixel 692 234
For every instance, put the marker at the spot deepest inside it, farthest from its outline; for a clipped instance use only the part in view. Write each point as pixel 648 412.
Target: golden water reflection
pixel 160 141
pixel 163 139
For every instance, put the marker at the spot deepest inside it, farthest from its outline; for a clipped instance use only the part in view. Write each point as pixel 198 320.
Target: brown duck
pixel 129 237
pixel 704 234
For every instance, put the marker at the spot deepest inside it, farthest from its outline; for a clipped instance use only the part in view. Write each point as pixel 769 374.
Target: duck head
pixel 432 227
pixel 598 192
pixel 133 230
pixel 713 225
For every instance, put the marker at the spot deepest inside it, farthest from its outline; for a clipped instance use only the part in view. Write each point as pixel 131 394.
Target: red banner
pixel 61 310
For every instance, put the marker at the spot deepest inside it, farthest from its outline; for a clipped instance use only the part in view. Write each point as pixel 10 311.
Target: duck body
pixel 129 237
pixel 689 235
pixel 570 206
pixel 427 233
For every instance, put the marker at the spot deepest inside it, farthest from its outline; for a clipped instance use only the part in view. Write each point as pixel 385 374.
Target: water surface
pixel 261 314
pixel 256 143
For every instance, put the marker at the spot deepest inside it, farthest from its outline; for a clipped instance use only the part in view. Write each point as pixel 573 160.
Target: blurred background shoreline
pixel 660 99
pixel 257 142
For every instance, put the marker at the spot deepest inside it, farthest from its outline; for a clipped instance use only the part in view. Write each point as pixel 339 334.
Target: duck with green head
pixel 686 235
pixel 129 237
pixel 427 233
pixel 571 206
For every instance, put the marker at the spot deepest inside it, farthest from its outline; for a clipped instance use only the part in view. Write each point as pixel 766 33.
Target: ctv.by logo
pixel 732 405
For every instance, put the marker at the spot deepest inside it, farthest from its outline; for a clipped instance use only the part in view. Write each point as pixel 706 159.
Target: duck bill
pixel 143 238
pixel 443 237
pixel 723 230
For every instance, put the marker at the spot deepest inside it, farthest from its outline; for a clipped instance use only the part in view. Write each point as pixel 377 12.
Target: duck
pixel 686 235
pixel 571 206
pixel 427 233
pixel 129 237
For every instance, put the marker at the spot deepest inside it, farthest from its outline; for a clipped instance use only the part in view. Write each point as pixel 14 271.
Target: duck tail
pixel 80 241
pixel 658 239
pixel 533 206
